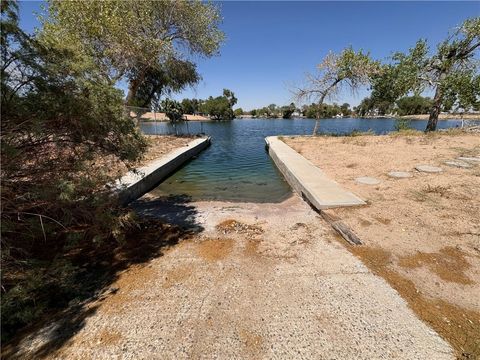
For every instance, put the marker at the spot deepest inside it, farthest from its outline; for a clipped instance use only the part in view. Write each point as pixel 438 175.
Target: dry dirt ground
pixel 158 146
pixel 256 281
pixel 444 116
pixel 422 234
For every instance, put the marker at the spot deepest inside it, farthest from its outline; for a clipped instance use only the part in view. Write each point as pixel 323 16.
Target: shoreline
pixel 442 117
pixel 198 118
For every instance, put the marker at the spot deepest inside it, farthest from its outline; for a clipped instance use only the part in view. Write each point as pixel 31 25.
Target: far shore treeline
pixel 220 108
pixel 450 73
pixel 408 105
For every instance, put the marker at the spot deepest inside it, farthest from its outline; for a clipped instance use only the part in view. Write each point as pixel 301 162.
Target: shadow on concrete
pixel 94 270
pixel 173 209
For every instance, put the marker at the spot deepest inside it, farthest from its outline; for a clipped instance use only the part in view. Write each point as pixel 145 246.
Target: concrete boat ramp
pixel 274 284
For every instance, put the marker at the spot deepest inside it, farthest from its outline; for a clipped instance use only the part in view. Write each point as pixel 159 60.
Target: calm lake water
pixel 236 166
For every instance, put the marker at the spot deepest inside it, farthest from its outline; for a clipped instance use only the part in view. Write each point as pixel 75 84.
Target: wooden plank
pixel 347 233
pixel 338 225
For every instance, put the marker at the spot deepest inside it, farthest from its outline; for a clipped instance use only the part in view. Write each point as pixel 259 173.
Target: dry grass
pixel 428 193
pixel 253 342
pixel 108 337
pixel 251 248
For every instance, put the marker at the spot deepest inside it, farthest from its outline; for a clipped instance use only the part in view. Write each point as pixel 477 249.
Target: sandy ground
pixel 421 233
pixel 160 145
pixel 252 283
pixel 444 116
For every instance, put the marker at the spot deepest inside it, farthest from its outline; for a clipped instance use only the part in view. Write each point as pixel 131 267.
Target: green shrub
pixel 59 120
pixel 402 124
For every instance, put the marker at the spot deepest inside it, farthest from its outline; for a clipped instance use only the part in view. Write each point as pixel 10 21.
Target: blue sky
pixel 270 45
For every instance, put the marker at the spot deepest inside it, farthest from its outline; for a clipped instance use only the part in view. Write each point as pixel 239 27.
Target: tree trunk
pixel 435 111
pixel 148 101
pixel 317 113
pixel 133 86
pixel 315 129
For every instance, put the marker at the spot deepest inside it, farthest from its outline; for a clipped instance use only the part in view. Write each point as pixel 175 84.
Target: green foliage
pixel 60 118
pixel 191 106
pixel 232 100
pixel 273 111
pixel 396 80
pixel 461 91
pixel 238 112
pixel 173 109
pixel 350 67
pixel 310 111
pixel 412 105
pixel 323 111
pixel 217 108
pixel 134 40
pixel 270 111
pixel 287 111
pixel 173 76
pixel 451 72
pixel 402 124
pixel 345 108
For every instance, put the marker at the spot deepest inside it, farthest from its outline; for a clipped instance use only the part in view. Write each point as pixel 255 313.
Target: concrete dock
pixel 135 184
pixel 308 180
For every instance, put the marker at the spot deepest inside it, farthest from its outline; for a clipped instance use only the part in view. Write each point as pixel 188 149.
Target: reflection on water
pixel 237 168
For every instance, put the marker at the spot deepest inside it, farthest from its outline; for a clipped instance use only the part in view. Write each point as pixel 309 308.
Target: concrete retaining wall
pixel 134 185
pixel 307 180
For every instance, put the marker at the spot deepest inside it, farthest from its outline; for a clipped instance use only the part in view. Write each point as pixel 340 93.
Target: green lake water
pixel 236 167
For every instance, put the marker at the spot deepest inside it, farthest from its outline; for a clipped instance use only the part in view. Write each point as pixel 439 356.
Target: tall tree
pixel 451 72
pixel 61 124
pixel 218 108
pixel 190 106
pixel 411 105
pixel 232 100
pixel 288 110
pixel 454 62
pixel 351 68
pixel 132 39
pixel 345 108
